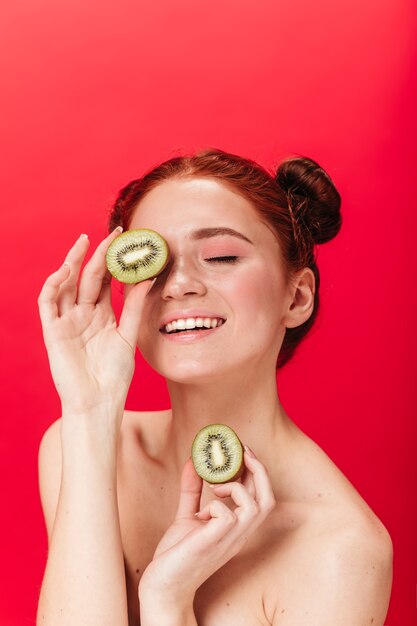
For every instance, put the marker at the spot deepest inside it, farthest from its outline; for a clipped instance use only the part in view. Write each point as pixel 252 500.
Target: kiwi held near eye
pixel 137 255
pixel 217 454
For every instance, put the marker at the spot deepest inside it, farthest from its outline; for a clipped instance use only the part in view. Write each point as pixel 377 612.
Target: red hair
pixel 299 201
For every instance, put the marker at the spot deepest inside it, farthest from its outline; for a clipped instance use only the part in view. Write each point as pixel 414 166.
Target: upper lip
pixel 183 314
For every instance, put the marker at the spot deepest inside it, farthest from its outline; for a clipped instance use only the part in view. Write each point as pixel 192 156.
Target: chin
pixel 187 375
pixel 187 371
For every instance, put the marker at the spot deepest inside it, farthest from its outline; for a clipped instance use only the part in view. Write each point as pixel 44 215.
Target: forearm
pixel 84 581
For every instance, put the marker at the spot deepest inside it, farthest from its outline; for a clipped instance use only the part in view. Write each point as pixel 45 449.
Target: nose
pixel 182 279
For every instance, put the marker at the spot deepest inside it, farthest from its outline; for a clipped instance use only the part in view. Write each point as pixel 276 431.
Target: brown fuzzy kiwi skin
pixel 239 471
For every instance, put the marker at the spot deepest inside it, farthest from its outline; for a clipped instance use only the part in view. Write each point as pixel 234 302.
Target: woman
pixel 135 535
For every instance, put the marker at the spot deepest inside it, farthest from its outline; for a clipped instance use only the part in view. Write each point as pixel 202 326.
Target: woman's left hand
pixel 196 546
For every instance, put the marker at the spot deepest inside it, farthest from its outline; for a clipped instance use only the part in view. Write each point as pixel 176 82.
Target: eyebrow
pixel 205 233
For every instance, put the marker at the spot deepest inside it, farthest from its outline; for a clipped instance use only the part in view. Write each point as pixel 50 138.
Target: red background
pixel 95 92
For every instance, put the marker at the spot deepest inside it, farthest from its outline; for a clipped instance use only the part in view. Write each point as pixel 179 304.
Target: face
pixel 246 289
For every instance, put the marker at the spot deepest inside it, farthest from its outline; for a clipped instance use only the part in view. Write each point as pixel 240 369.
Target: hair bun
pixel 312 197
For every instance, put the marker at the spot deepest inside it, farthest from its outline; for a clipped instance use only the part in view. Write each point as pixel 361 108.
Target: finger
pixel 246 505
pixel 219 515
pixel 247 481
pixel 190 494
pixel 264 494
pixel 207 536
pixel 68 292
pixel 47 301
pixel 105 291
pixel 95 272
pixel 132 312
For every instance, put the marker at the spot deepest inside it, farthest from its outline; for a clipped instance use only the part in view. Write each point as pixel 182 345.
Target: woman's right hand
pixel 91 357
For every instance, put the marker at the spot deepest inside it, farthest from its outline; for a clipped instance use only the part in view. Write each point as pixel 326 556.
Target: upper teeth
pixel 193 322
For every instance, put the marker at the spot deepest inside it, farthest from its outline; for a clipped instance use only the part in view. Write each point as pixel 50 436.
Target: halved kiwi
pixel 217 454
pixel 137 255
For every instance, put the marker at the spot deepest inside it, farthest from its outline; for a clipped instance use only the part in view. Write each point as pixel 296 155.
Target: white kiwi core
pixel 136 255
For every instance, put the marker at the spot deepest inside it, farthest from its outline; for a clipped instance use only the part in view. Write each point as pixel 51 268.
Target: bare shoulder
pixel 337 574
pixel 141 419
pixel 144 429
pixel 49 472
pixel 135 424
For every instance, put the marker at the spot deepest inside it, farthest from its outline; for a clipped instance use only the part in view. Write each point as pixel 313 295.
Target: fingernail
pixel 119 229
pixel 84 235
pixel 250 452
pixel 65 264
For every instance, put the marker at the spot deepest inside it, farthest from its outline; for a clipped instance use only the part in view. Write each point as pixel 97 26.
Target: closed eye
pixel 223 259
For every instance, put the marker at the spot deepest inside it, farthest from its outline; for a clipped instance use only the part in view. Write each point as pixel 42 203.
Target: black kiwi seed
pixel 217 454
pixel 136 255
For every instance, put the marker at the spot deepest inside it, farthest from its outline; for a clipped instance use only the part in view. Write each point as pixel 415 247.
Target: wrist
pixel 105 416
pixel 151 596
pixel 158 612
pixel 96 430
pixel 109 407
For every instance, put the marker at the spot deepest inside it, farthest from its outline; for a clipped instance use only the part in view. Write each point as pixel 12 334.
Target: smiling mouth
pixel 219 322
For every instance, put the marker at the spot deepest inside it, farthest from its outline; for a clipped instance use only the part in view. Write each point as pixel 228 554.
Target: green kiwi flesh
pixel 136 255
pixel 217 454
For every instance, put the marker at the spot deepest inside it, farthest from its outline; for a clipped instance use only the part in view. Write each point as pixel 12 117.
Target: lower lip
pixel 190 335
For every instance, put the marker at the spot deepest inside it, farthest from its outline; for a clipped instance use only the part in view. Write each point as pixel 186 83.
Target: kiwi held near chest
pixel 217 454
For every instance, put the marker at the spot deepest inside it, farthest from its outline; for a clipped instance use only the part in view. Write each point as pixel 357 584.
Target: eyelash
pixel 223 259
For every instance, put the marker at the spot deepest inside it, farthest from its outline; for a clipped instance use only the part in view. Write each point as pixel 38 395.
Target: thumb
pixel 132 311
pixel 190 495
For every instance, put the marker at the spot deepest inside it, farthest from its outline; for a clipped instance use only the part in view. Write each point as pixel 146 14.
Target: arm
pixel 84 580
pixel 92 363
pixel 346 581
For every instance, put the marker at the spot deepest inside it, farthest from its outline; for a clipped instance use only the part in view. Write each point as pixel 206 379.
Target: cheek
pixel 259 297
pixel 248 290
pixel 256 289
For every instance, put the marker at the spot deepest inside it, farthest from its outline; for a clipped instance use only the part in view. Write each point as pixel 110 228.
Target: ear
pixel 301 301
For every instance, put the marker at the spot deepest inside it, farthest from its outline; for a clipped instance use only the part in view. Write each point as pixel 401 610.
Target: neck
pixel 249 405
